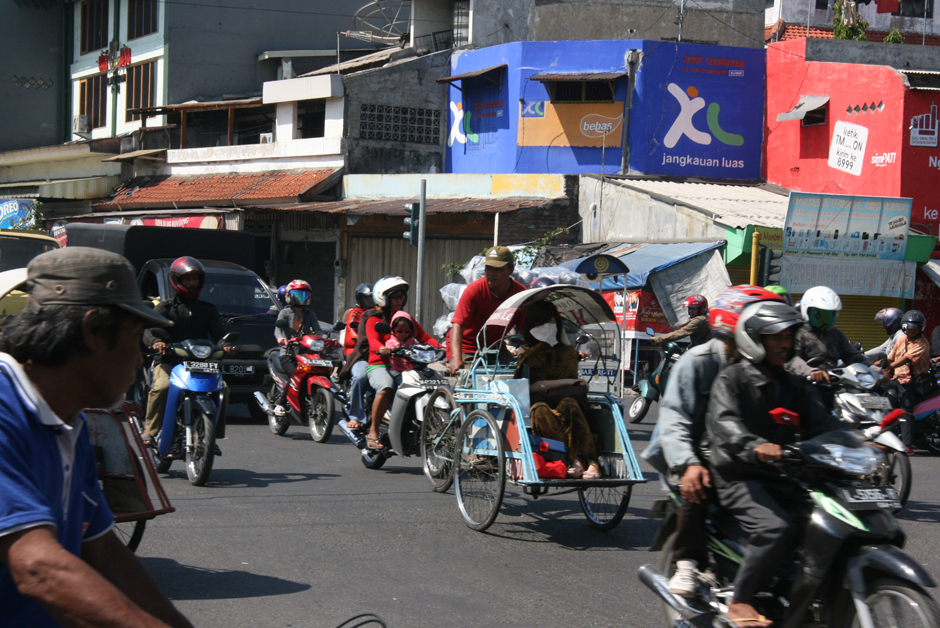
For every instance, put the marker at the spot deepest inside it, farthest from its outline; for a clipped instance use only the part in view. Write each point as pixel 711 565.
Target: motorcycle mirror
pixel 817 361
pixel 891 418
pixel 583 338
pixel 383 328
pixel 339 326
pixel 650 332
pixel 161 334
pixel 231 337
pixel 282 323
pixel 782 416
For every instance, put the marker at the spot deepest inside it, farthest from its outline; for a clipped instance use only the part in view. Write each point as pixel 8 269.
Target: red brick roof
pixel 787 31
pixel 217 190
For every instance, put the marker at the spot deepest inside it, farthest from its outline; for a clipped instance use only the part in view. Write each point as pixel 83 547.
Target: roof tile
pixel 797 31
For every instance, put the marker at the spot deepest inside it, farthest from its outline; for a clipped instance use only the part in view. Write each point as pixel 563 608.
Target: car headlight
pixel 865 460
pixel 316 345
pixel 201 351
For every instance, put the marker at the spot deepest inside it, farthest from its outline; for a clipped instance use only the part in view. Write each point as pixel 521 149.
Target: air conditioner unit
pixel 80 124
pixel 267 138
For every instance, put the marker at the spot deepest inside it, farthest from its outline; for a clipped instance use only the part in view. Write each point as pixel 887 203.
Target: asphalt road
pixel 289 532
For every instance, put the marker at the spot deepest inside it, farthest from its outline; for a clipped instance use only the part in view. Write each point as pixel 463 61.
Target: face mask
pixel 546 333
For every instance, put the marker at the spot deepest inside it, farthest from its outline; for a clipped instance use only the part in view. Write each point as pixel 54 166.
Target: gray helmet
pixel 760 319
pixel 913 319
pixel 363 292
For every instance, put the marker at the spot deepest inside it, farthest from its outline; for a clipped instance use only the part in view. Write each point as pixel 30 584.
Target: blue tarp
pixel 645 259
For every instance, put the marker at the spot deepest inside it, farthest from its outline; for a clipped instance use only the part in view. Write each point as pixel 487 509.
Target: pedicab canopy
pixel 581 306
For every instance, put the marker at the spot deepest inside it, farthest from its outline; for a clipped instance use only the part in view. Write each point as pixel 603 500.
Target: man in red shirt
pixel 478 302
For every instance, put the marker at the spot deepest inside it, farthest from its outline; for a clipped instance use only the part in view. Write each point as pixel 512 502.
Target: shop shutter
pixel 857 318
pixel 739 275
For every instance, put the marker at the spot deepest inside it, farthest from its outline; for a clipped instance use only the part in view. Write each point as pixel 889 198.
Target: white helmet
pixel 820 298
pixel 760 319
pixel 386 286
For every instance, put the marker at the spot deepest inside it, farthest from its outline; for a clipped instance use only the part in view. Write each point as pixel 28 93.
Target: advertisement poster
pixel 877 278
pixel 57 227
pixel 832 225
pixel 847 150
pixel 544 123
pixel 13 212
pixel 642 311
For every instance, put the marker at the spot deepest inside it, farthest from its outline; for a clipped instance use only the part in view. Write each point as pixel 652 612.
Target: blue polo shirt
pixel 48 477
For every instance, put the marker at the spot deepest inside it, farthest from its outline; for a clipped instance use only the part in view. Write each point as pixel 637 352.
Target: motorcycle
pixel 849 568
pixel 193 407
pixel 653 387
pixel 927 410
pixel 311 393
pixel 401 434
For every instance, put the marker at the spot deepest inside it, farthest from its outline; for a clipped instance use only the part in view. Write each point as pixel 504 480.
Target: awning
pixel 932 270
pixel 923 80
pixel 806 104
pixel 77 189
pixel 396 207
pixel 579 76
pixel 466 75
pixel 153 153
pixel 643 259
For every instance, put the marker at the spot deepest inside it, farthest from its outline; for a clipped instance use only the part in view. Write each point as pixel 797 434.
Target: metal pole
pixel 422 223
pixel 809 10
pixel 923 40
pixel 337 53
pixel 681 18
pixel 755 251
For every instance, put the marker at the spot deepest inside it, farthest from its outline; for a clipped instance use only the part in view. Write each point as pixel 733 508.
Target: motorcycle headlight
pixel 425 356
pixel 201 351
pixel 865 460
pixel 316 345
pixel 866 380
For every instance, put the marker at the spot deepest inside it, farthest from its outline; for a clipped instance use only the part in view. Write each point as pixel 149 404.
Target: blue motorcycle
pixel 193 407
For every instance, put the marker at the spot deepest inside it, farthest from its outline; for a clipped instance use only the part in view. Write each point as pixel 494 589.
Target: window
pixel 141 18
pixel 815 117
pixel 140 88
pixel 583 91
pixel 93 101
pixel 822 5
pixel 94 25
pixel 399 124
pixel 915 8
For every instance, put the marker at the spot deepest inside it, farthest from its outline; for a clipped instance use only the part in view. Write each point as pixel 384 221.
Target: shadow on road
pixel 185 582
pixel 229 478
pixel 920 511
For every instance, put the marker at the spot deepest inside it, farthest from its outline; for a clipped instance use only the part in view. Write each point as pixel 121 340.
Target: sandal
pixel 374 443
pixel 593 472
pixel 353 427
pixel 575 471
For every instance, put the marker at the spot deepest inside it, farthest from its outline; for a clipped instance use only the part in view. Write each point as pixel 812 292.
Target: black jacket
pixel 739 420
pixel 192 319
pixel 832 345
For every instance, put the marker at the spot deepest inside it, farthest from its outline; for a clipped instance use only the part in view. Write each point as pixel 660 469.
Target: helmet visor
pixel 823 320
pixel 300 297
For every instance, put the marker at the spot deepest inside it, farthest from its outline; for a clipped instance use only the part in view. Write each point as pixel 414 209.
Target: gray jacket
pixel 310 325
pixel 831 345
pixel 674 444
pixel 884 347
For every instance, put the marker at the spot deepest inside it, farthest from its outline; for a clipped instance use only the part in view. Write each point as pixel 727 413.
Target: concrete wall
pixel 410 83
pixel 611 212
pixel 728 22
pixel 873 53
pixel 430 16
pixel 795 11
pixel 33 43
pixel 213 50
pixel 547 186
pixel 500 21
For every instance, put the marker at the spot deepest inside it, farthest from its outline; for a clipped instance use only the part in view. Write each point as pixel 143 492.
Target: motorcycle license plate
pixel 238 369
pixel 328 363
pixel 874 402
pixel 201 367
pixel 871 498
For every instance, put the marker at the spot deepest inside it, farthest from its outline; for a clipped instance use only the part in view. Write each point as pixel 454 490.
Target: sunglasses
pixel 397 295
pixel 401 331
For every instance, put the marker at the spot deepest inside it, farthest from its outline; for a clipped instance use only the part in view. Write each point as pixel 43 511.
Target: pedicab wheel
pixel 605 506
pixel 899 476
pixel 131 532
pixel 278 426
pixel 438 434
pixel 638 409
pixel 320 415
pixel 199 459
pixel 480 470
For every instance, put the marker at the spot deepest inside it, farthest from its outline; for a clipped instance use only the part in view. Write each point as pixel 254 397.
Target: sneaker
pixel 279 411
pixel 684 582
pixel 909 451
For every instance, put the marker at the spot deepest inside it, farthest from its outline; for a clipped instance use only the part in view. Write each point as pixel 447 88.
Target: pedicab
pixel 490 434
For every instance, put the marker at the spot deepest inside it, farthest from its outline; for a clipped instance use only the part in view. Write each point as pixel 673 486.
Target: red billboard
pixel 642 311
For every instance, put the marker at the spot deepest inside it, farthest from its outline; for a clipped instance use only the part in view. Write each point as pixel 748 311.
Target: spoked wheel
pixel 131 532
pixel 899 476
pixel 438 434
pixel 638 409
pixel 199 459
pixel 480 470
pixel 894 603
pixel 320 415
pixel 605 506
pixel 278 426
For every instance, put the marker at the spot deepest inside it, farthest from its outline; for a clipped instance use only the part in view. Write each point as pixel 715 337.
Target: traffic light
pixel 412 223
pixel 768 272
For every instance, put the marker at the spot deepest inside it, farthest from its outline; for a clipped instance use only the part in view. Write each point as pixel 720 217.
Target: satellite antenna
pixel 386 20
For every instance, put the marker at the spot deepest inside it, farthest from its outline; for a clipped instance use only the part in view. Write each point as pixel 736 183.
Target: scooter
pixel 653 387
pixel 401 435
pixel 927 412
pixel 849 568
pixel 311 398
pixel 194 408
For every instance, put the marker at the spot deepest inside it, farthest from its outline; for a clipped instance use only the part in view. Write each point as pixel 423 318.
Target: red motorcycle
pixel 310 393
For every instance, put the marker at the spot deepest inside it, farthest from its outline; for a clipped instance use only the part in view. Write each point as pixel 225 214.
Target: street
pixel 289 532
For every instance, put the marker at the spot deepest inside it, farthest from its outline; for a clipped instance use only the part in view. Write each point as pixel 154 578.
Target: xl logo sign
pixel 689 104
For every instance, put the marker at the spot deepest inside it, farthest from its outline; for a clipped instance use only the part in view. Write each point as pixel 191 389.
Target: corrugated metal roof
pixel 151 153
pixel 579 76
pixel 732 205
pixel 466 75
pixel 87 188
pixel 396 207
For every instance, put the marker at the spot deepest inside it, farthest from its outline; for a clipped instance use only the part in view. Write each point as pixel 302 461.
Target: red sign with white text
pixel 642 311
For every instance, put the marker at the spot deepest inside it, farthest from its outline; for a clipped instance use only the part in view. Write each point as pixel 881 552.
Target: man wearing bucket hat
pixel 478 302
pixel 75 345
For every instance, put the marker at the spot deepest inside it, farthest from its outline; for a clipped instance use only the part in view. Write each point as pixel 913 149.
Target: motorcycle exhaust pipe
pixel 658 584
pixel 358 441
pixel 262 401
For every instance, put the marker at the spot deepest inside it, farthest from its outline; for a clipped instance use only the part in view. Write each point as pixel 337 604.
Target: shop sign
pixel 642 310
pixel 924 129
pixel 57 228
pixel 870 277
pixel 832 225
pixel 847 150
pixel 13 212
pixel 570 124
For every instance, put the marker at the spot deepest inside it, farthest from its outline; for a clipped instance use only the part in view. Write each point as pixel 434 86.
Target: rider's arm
pixel 847 351
pixel 456 344
pixel 281 334
pixel 682 332
pixel 678 414
pixel 423 337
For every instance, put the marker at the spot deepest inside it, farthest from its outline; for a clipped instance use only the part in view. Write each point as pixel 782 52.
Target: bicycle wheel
pixel 480 470
pixel 438 434
pixel 320 415
pixel 131 532
pixel 605 506
pixel 200 457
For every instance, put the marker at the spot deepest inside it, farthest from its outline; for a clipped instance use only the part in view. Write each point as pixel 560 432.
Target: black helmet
pixel 913 319
pixel 363 292
pixel 187 266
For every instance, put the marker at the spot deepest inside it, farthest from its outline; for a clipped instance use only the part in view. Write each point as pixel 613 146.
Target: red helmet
pixel 723 317
pixel 187 266
pixel 298 293
pixel 697 300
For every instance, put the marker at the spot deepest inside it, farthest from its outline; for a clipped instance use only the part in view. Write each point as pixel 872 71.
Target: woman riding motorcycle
pixel 302 321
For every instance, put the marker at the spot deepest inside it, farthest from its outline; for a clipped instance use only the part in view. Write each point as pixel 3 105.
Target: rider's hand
pixel 282 342
pixel 159 347
pixel 819 376
pixel 384 351
pixel 454 365
pixel 694 482
pixel 768 452
pixel 230 350
pixel 655 340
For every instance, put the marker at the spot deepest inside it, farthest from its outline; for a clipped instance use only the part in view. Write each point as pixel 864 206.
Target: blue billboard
pixel 14 212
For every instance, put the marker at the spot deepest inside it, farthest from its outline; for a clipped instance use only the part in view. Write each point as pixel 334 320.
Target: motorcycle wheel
pixel 900 476
pixel 372 459
pixel 638 409
pixel 932 439
pixel 162 465
pixel 892 602
pixel 199 460
pixel 320 410
pixel 438 435
pixel 278 426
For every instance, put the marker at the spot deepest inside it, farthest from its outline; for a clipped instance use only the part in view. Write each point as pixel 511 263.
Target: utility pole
pixel 422 224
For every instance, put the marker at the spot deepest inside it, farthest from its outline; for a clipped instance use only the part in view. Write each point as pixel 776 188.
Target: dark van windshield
pixel 237 294
pixel 17 252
